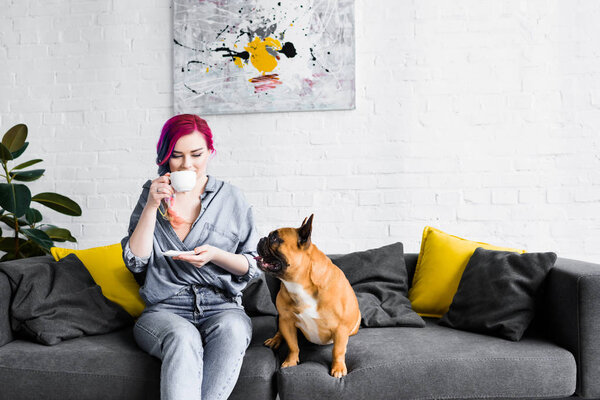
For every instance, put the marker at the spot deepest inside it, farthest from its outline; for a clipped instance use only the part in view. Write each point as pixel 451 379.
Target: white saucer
pixel 173 253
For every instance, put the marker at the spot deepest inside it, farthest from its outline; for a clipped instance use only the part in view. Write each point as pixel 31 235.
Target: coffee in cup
pixel 183 181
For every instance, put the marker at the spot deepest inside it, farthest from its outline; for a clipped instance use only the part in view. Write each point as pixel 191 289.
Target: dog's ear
pixel 304 232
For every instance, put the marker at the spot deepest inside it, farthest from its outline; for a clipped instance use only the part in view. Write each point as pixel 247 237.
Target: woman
pixel 194 320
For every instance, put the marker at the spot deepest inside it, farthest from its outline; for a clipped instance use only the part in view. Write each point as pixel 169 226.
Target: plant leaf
pixel 57 202
pixel 28 176
pixel 32 249
pixel 9 220
pixel 58 234
pixel 38 236
pixel 15 198
pixel 33 216
pixel 27 164
pixel 5 153
pixel 8 257
pixel 16 154
pixel 7 244
pixel 15 137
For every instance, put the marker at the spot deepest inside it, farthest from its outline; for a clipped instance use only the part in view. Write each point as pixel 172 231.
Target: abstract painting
pixel 243 56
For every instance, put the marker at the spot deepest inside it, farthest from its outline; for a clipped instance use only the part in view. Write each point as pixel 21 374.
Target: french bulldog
pixel 315 295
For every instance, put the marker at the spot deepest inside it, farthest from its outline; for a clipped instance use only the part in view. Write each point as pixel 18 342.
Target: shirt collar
pixel 211 184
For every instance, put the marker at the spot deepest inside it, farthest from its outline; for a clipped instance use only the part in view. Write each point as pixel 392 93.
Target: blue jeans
pixel 201 337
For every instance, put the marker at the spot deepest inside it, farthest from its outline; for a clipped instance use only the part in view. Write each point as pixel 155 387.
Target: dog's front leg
pixel 340 341
pixel 288 329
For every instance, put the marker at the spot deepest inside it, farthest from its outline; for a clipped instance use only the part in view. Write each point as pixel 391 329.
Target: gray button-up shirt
pixel 225 221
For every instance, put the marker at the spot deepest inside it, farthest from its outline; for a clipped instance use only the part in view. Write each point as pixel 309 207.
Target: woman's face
pixel 190 154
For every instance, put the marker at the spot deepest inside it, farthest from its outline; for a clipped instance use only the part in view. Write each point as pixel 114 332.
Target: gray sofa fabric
pixel 379 280
pixel 431 363
pixel 5 296
pixel 111 366
pixel 89 367
pixel 52 301
pixel 559 358
pixel 572 315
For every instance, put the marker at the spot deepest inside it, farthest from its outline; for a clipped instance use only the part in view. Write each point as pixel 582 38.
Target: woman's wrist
pixel 151 206
pixel 236 264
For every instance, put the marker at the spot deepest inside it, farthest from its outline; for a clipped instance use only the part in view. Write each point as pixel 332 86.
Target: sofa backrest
pixel 410 259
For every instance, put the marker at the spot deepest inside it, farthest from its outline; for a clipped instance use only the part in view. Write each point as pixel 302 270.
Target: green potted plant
pixel 29 238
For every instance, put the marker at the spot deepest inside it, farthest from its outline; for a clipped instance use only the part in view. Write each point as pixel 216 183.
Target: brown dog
pixel 315 295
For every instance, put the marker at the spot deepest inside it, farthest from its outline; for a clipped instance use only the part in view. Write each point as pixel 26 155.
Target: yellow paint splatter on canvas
pixel 260 57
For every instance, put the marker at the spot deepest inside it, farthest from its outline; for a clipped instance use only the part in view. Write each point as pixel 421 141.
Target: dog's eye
pixel 274 239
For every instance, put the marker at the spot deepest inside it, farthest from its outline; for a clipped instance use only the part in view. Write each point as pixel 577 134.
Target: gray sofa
pixel 558 357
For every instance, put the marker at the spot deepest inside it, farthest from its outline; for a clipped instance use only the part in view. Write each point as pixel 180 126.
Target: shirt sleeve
pixel 247 247
pixel 134 263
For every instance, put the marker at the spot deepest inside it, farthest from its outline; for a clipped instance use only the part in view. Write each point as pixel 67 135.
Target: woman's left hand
pixel 204 254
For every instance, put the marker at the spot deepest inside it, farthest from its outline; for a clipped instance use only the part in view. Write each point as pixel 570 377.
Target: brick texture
pixel 479 117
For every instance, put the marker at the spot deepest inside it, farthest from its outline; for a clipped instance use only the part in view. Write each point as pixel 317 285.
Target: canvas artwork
pixel 243 56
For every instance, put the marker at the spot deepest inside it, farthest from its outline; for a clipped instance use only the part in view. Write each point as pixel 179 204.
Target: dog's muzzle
pixel 268 260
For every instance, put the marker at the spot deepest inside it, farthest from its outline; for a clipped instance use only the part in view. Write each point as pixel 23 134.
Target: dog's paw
pixel 290 362
pixel 274 342
pixel 338 370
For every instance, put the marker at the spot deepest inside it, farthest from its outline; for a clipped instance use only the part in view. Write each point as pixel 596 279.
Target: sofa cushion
pixel 5 295
pixel 58 300
pixel 497 292
pixel 442 260
pixel 380 281
pixel 111 366
pixel 429 363
pixel 263 327
pixel 256 298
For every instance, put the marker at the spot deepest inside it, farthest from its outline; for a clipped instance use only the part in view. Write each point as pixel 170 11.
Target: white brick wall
pixel 479 117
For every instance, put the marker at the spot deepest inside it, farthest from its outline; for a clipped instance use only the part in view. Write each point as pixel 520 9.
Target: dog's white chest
pixel 307 319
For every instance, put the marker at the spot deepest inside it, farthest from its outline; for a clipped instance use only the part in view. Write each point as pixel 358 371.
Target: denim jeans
pixel 201 337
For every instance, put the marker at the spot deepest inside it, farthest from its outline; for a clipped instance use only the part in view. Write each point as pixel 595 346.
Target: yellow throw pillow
pixel 440 266
pixel 108 269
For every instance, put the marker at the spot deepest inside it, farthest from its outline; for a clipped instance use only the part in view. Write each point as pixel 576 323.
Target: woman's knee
pixel 184 337
pixel 160 332
pixel 237 327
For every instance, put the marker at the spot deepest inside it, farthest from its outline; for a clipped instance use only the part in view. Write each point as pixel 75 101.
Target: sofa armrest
pixel 572 315
pixel 5 295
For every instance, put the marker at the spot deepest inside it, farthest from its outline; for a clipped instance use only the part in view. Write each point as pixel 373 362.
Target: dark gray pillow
pixel 5 294
pixel 58 300
pixel 379 279
pixel 497 291
pixel 256 298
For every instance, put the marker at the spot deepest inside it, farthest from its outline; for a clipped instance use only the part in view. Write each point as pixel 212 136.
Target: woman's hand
pixel 204 254
pixel 236 264
pixel 160 189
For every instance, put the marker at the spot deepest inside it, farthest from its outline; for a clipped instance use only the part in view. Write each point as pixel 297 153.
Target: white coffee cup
pixel 183 181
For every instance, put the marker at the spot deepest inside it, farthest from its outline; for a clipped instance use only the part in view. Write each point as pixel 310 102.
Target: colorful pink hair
pixel 175 128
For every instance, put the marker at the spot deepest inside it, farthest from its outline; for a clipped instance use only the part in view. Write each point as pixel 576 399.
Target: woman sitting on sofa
pixel 194 320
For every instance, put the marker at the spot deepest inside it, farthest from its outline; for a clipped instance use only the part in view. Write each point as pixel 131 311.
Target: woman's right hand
pixel 160 189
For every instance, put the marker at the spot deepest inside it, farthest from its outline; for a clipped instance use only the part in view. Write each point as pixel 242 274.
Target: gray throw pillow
pixel 380 281
pixel 5 295
pixel 497 291
pixel 58 300
pixel 256 298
